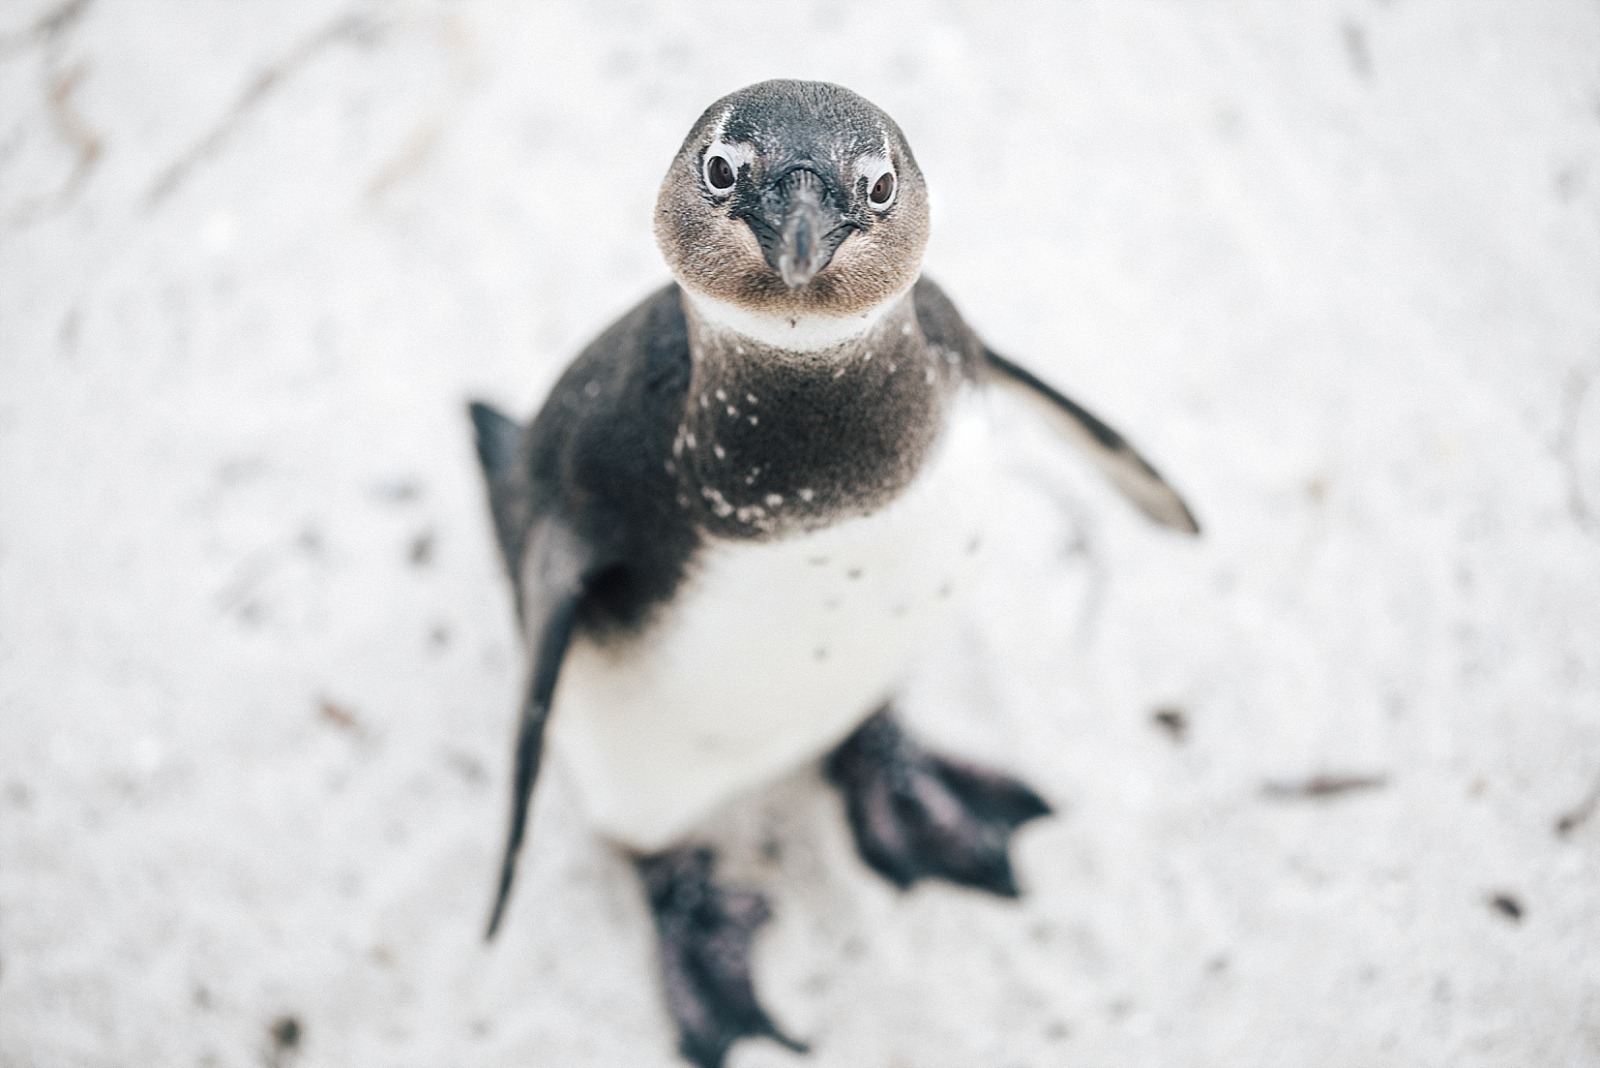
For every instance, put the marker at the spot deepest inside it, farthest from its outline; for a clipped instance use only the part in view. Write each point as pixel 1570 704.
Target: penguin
pixel 739 515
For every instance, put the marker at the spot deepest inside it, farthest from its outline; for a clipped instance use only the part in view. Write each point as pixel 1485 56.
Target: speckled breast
pixel 773 650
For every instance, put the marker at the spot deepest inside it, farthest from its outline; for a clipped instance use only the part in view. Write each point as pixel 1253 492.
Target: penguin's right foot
pixel 704 933
pixel 916 814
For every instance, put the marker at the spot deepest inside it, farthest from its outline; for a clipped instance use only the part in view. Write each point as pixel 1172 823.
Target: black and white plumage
pixel 745 508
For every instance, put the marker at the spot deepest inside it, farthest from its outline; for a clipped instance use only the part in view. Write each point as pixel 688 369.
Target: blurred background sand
pixel 1334 265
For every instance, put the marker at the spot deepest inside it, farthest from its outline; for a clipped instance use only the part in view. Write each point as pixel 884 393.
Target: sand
pixel 1335 266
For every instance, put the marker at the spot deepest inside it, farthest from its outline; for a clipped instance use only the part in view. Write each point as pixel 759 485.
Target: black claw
pixel 991 795
pixel 704 933
pixel 919 815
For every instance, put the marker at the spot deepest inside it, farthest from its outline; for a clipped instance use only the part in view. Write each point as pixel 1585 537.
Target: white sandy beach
pixel 1335 266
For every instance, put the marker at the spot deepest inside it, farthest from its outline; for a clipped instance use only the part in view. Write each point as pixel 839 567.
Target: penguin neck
pixel 779 439
pixel 786 333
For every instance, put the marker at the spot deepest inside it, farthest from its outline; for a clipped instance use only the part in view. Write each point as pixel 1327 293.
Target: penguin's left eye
pixel 881 194
pixel 720 174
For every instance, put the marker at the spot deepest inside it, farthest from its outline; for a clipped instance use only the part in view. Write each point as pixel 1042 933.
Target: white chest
pixel 771 652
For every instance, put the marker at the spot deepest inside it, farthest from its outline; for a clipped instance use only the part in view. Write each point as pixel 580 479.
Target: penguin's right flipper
pixel 499 440
pixel 1111 453
pixel 554 573
pixel 704 933
pixel 917 814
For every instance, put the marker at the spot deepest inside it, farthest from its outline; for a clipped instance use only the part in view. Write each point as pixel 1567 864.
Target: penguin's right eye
pixel 720 174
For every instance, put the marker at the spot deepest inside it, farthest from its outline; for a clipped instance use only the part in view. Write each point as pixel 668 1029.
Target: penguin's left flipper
pixel 553 566
pixel 1110 451
pixel 917 814
pixel 704 933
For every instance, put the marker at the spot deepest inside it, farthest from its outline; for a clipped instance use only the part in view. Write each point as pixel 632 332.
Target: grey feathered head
pixel 794 198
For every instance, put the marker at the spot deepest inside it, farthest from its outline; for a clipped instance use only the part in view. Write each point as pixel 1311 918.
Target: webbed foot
pixel 916 814
pixel 704 933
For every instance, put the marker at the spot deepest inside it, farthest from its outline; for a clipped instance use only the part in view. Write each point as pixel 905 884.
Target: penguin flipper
pixel 1131 473
pixel 917 814
pixel 499 441
pixel 555 573
pixel 704 933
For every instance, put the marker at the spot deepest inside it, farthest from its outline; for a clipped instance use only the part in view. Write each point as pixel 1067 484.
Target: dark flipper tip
pixel 508 870
pixel 555 631
pixel 1148 489
pixel 502 895
pixel 1183 519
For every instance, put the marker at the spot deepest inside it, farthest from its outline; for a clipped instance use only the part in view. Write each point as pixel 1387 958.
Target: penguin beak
pixel 798 226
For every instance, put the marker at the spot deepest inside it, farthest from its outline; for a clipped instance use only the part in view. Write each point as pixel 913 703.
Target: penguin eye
pixel 720 173
pixel 881 195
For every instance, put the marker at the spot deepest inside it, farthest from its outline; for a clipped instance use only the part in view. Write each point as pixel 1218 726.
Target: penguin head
pixel 793 199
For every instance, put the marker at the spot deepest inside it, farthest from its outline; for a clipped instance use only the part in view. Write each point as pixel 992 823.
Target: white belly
pixel 771 652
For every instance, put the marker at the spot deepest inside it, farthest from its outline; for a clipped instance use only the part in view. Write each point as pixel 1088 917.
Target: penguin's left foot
pixel 704 933
pixel 916 814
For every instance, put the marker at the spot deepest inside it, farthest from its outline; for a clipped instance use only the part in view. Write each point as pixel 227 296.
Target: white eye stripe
pixel 869 167
pixel 737 152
